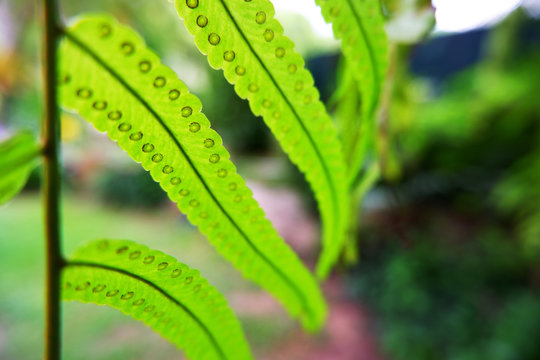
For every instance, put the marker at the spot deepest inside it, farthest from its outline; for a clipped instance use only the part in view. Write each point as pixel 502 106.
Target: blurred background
pixel 449 241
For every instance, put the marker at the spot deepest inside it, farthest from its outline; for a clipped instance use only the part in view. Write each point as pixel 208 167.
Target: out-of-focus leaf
pixel 18 157
pixel 409 21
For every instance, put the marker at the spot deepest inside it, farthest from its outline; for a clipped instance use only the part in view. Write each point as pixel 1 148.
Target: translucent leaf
pixel 155 288
pixel 360 26
pixel 243 38
pixel 111 78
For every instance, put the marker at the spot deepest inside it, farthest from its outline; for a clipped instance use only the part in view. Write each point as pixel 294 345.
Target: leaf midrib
pixel 371 54
pixel 160 290
pixel 102 63
pixel 289 104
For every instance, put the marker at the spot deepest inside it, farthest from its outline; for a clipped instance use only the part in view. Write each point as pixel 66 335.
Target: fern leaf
pixel 347 110
pixel 243 38
pixel 18 157
pixel 360 26
pixel 165 294
pixel 111 78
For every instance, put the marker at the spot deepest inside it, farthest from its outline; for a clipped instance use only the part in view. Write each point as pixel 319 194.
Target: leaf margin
pixel 130 263
pixel 18 157
pixel 309 139
pixel 313 308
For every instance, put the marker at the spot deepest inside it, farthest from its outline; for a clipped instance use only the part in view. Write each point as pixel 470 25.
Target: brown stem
pixel 52 180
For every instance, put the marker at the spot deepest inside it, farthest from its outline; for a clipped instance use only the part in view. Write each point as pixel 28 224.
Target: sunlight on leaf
pixel 245 40
pixel 155 288
pixel 111 79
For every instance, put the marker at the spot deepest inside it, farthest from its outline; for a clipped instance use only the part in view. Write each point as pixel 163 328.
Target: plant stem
pixel 52 179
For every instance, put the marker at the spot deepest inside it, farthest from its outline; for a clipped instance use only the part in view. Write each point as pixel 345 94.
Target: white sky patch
pixel 310 11
pixel 451 15
pixel 463 15
pixel 532 7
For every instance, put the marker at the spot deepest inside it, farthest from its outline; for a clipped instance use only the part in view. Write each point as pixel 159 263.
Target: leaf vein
pixel 289 104
pixel 371 53
pixel 157 288
pixel 102 63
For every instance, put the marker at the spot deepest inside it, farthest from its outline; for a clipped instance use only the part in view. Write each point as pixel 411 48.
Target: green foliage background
pixel 449 242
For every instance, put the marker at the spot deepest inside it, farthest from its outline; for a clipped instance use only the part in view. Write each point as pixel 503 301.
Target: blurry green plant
pixel 441 299
pixel 19 157
pixel 129 188
pixel 451 272
pixel 105 72
pixel 482 133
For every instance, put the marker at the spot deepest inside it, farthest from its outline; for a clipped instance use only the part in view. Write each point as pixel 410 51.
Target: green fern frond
pixel 360 26
pixel 358 132
pixel 346 103
pixel 243 38
pixel 155 288
pixel 18 157
pixel 111 78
